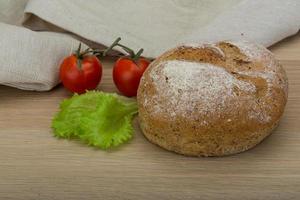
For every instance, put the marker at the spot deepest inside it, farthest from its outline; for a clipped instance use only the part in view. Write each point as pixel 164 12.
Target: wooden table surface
pixel 35 165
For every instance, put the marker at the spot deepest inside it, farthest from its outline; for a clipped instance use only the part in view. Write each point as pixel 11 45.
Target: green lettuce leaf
pixel 100 119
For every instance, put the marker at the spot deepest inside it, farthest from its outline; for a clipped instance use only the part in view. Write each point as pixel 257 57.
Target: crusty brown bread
pixel 212 99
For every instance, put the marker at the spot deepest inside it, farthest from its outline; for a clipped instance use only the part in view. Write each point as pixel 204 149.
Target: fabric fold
pixel 160 25
pixel 30 60
pixel 154 26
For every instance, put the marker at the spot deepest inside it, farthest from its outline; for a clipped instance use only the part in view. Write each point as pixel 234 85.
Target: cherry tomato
pixel 80 74
pixel 127 74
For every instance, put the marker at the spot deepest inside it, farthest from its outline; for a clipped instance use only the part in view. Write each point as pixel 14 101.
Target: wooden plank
pixel 35 165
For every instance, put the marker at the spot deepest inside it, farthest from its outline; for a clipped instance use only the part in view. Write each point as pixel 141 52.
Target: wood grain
pixel 35 165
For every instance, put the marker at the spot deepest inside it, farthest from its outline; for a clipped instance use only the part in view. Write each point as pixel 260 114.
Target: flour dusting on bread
pixel 184 84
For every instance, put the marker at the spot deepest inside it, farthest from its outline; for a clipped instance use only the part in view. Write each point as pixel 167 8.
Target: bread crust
pixel 212 99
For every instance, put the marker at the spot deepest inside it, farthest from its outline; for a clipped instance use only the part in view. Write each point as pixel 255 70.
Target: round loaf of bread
pixel 212 99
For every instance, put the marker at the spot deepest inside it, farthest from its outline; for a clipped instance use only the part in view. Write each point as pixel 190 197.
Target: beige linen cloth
pixel 29 59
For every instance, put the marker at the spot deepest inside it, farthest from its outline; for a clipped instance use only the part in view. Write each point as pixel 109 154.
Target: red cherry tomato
pixel 79 75
pixel 127 74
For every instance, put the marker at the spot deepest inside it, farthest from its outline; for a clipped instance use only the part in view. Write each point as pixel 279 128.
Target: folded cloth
pixel 30 60
pixel 159 25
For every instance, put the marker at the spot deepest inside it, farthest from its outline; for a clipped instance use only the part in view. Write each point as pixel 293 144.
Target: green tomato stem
pixel 101 53
pixel 104 53
pixel 128 50
pixel 78 50
pixel 138 55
